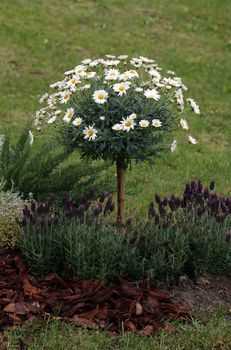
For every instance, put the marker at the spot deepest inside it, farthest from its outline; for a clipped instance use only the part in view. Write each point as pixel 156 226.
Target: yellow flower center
pixel 69 114
pixel 128 123
pixel 90 133
pixel 73 81
pixel 121 88
pixel 101 97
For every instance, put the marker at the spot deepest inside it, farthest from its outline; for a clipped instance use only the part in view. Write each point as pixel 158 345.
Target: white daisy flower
pixel 184 124
pixel 179 98
pixel 43 97
pixel 154 73
pixel 192 140
pixel 159 85
pixel 121 88
pixel 86 87
pixel 146 60
pixel 127 124
pixel 69 72
pixel 77 121
pixel 80 70
pixel 58 84
pixel 125 76
pixel 194 106
pixel 73 82
pixel 31 136
pixel 130 74
pixel 132 116
pixel 152 93
pixel 86 61
pixel 139 89
pixel 117 127
pixel 156 123
pixel 90 75
pixel 172 73
pixel 136 62
pixel 100 96
pixel 144 123
pixel 112 74
pixel 94 63
pixel 173 146
pixel 110 56
pixel 123 57
pixel 133 73
pixel 52 119
pixel 176 82
pixel 65 96
pixel 90 133
pixel 111 62
pixel 69 114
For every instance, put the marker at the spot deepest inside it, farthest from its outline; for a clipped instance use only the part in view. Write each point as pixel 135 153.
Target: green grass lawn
pixel 40 39
pixel 207 332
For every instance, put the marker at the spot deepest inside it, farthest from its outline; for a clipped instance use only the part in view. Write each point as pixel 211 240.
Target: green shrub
pixel 93 253
pixel 208 249
pixel 80 236
pixel 45 168
pixel 11 205
pixel 42 249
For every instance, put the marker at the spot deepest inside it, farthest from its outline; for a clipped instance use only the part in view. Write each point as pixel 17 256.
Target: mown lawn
pixel 40 39
pixel 207 332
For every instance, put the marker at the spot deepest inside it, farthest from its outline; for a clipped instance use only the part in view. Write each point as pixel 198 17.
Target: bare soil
pixel 205 294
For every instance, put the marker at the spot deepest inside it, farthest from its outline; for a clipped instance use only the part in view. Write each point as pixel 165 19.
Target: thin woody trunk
pixel 121 196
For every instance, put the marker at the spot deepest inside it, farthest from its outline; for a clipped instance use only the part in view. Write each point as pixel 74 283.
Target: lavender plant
pixel 46 226
pixel 204 218
pixel 179 237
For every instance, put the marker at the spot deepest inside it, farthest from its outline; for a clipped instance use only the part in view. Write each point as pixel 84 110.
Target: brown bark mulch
pixel 89 303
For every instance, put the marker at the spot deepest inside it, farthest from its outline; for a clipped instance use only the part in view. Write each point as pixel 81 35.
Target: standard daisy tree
pixel 117 109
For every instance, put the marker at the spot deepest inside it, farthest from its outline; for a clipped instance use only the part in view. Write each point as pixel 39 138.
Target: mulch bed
pixel 92 304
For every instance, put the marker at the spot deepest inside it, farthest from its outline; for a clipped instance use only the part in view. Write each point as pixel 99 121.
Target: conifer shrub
pixel 46 168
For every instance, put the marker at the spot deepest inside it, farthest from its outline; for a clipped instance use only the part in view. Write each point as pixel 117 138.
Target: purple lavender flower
pixel 157 198
pixel 151 210
pixel 212 185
